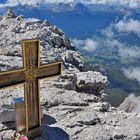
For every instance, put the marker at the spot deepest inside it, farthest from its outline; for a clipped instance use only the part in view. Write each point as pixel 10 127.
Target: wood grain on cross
pixel 30 75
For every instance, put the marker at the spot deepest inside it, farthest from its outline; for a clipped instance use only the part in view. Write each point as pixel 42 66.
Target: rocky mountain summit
pixel 74 105
pixel 54 44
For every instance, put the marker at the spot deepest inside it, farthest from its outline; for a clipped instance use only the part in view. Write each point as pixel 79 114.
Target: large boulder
pixel 66 81
pixel 7 115
pixel 91 82
pixel 88 82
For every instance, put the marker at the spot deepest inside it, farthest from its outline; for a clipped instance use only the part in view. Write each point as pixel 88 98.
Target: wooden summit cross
pixel 30 75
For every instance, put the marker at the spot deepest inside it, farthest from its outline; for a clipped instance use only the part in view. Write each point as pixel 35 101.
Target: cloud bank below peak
pixel 128 3
pixel 89 45
pixel 130 26
pixel 132 73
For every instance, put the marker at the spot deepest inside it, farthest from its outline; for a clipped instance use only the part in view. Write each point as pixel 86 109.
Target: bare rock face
pixel 88 82
pixel 54 44
pixel 91 82
pixel 73 59
pixel 131 104
pixel 7 115
pixel 67 81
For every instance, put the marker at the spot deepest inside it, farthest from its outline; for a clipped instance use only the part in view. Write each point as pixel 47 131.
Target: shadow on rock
pixel 53 133
pixel 48 120
pixel 10 125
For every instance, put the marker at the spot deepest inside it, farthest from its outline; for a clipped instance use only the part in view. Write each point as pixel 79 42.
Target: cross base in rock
pixel 31 134
pixel 36 132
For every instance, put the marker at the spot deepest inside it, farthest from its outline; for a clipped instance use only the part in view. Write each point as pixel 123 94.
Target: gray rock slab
pixel 7 115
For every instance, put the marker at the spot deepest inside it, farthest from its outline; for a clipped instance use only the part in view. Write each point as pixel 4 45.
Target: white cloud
pixel 134 102
pixel 129 52
pixel 132 73
pixel 118 30
pixel 123 50
pixel 88 45
pixel 22 2
pixel 12 3
pixel 109 32
pixel 129 26
pixel 114 43
pixel 129 3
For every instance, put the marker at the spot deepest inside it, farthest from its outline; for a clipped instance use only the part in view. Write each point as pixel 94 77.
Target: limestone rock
pixel 103 96
pixel 73 58
pixel 66 81
pixel 88 119
pixel 7 135
pixel 91 82
pixel 118 136
pixel 7 115
pixel 54 43
pixel 105 106
pixel 101 106
pixel 57 96
pixel 88 82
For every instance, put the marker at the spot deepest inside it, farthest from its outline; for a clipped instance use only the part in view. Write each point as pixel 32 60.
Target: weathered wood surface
pixel 11 78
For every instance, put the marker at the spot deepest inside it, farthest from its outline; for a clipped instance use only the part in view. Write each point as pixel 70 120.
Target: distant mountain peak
pixel 10 13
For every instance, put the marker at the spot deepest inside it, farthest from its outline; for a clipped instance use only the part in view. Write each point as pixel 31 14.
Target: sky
pixel 2 1
pixel 130 3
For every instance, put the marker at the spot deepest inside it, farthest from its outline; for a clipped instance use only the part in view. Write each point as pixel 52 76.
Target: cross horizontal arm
pixel 11 78
pixel 49 70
